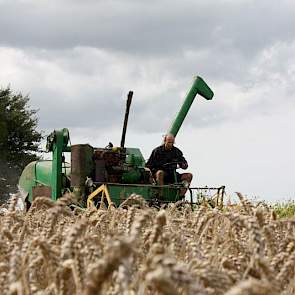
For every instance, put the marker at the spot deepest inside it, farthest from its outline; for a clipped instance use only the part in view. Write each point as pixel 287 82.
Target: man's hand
pixel 183 165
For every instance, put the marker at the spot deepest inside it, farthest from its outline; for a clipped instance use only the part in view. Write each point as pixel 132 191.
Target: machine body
pixel 103 175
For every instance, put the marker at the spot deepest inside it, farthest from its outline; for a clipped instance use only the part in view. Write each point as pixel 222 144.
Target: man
pixel 163 163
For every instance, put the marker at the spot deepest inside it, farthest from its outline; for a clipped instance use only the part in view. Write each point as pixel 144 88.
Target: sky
pixel 77 60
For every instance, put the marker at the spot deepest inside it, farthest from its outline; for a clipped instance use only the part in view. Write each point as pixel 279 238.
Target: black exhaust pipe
pixel 128 103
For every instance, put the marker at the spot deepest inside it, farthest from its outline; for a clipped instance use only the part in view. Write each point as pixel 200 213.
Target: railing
pixel 212 195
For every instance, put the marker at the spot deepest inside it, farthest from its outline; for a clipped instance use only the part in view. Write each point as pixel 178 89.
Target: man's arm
pixel 182 161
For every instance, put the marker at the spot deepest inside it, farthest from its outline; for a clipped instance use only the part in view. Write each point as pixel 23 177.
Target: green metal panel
pixel 56 167
pixel 43 173
pixel 38 173
pixel 135 157
pixel 27 179
pixel 136 162
pixel 131 176
pixel 57 143
pixel 120 192
pixel 199 87
pixel 35 173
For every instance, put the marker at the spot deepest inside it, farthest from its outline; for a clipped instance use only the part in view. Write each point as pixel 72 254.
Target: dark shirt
pixel 160 156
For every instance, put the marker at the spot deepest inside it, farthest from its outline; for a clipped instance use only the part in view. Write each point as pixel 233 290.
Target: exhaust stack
pixel 128 103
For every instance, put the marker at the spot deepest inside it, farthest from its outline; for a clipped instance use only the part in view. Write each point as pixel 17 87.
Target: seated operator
pixel 163 163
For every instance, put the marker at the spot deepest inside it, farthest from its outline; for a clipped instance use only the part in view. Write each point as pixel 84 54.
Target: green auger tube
pixel 199 87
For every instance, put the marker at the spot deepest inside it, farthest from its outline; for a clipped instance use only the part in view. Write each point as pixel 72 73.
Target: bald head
pixel 169 140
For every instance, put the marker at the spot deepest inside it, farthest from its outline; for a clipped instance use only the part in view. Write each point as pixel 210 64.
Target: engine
pixel 106 165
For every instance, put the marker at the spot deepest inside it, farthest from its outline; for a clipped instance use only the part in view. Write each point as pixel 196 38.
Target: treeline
pixel 19 138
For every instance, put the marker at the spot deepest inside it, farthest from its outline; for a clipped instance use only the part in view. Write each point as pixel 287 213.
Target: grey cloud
pixel 87 87
pixel 101 49
pixel 89 109
pixel 148 28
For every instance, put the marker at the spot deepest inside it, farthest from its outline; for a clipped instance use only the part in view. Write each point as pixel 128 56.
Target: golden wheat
pixel 135 249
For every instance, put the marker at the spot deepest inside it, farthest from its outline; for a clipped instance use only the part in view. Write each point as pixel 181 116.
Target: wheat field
pixel 52 249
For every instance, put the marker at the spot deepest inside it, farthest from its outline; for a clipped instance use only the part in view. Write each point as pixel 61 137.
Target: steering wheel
pixel 172 165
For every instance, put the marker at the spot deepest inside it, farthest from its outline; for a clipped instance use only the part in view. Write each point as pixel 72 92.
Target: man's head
pixel 169 140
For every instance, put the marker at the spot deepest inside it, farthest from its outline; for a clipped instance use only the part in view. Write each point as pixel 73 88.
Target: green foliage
pixel 19 139
pixel 285 209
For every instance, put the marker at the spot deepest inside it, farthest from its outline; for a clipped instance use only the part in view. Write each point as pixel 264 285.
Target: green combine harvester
pixel 103 176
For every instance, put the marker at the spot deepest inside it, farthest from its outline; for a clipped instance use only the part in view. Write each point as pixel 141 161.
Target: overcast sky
pixel 77 60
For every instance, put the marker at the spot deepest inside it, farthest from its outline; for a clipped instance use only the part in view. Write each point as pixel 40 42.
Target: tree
pixel 19 139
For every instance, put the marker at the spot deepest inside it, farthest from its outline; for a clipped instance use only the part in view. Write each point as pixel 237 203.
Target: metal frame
pixel 103 189
pixel 104 194
pixel 219 195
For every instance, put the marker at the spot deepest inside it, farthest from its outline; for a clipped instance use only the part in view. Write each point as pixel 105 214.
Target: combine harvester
pixel 105 176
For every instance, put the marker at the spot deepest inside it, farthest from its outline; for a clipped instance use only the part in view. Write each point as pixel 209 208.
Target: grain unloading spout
pixel 199 87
